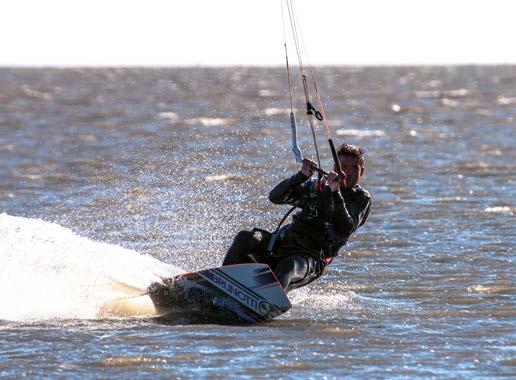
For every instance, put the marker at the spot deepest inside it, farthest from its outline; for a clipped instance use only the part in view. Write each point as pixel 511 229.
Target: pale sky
pixel 250 32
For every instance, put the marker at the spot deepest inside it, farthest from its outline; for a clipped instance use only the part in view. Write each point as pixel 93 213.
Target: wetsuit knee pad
pixel 247 247
pixel 243 236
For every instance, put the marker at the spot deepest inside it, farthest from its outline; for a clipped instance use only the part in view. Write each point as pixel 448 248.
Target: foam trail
pixel 48 272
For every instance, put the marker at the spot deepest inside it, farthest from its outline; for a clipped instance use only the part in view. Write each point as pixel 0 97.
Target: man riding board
pixel 331 211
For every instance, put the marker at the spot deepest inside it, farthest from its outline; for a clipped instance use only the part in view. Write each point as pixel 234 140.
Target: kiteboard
pixel 233 294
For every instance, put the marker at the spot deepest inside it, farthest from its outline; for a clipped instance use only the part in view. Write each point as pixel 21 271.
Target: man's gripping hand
pixel 308 167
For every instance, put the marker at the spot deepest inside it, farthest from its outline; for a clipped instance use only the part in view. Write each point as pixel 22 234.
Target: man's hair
pixel 351 151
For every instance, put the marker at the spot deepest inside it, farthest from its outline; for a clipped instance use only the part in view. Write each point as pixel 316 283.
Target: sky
pixel 249 32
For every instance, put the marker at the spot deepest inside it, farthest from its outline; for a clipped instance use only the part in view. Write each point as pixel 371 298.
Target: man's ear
pixel 362 170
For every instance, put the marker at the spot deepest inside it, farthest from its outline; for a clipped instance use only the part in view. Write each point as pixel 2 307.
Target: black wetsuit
pixel 304 247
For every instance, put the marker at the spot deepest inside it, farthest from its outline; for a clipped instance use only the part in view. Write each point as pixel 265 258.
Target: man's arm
pixel 290 191
pixel 346 219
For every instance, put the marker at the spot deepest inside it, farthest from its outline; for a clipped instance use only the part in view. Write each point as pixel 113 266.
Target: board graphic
pixel 243 293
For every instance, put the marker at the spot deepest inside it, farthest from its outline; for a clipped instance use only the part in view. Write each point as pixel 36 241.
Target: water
pixel 111 178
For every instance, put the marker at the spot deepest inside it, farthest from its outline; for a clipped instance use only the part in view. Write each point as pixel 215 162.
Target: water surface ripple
pixel 172 162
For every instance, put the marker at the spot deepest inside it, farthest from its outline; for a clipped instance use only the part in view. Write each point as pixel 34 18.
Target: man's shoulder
pixel 361 192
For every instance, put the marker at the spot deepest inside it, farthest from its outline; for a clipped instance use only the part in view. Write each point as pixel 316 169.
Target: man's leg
pixel 291 269
pixel 247 247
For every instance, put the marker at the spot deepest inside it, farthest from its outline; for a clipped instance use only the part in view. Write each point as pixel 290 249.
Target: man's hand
pixel 308 167
pixel 335 181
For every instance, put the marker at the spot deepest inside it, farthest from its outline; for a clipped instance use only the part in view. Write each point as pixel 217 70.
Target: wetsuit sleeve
pixel 289 191
pixel 347 218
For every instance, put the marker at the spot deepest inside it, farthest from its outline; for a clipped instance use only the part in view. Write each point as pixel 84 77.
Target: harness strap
pixel 275 234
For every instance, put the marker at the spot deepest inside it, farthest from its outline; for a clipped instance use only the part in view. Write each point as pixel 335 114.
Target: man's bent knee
pixel 244 243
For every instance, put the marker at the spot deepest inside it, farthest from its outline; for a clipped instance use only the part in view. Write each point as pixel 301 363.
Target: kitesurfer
pixel 332 208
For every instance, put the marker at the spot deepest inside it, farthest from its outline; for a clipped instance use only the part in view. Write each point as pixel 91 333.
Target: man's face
pixel 353 169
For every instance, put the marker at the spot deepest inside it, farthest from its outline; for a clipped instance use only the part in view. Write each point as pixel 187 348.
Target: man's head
pixel 351 159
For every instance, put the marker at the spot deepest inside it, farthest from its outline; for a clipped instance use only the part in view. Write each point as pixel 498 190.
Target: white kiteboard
pixel 242 293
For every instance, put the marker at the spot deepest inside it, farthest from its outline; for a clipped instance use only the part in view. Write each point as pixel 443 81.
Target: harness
pixel 328 233
pixel 275 234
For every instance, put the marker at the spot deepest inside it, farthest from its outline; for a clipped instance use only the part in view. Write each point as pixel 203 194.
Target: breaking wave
pixel 48 272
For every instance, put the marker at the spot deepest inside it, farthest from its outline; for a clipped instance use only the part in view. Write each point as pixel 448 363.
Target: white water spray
pixel 48 272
